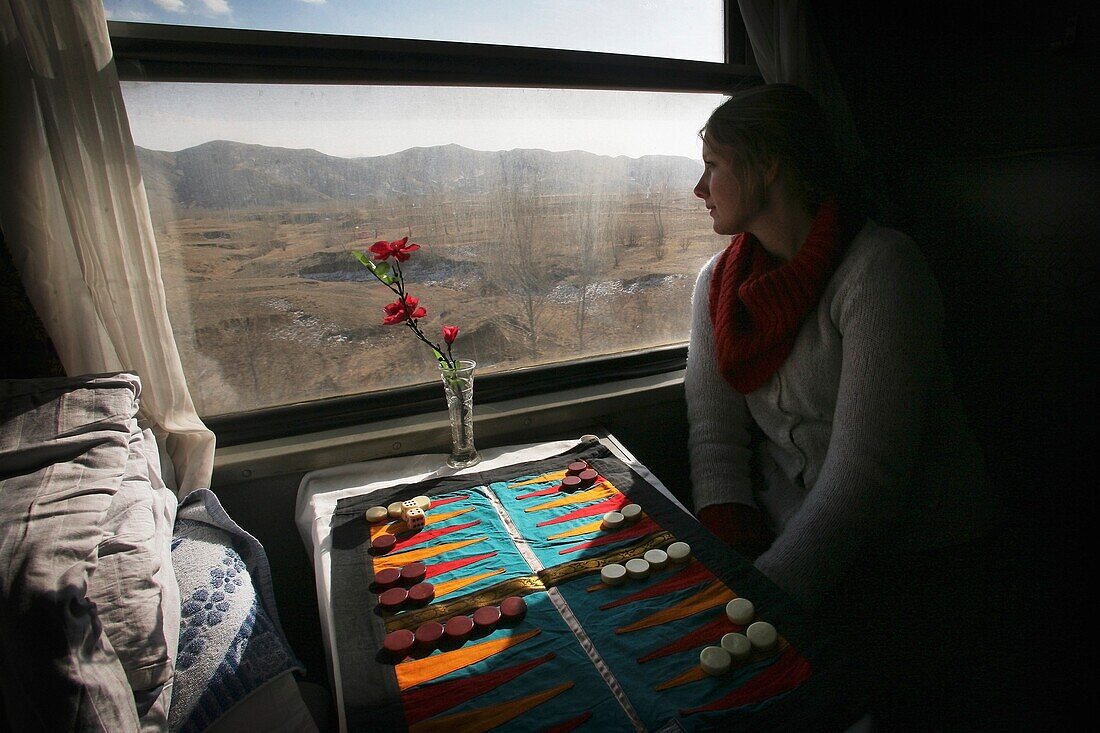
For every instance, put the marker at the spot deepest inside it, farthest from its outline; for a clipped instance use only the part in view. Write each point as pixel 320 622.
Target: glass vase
pixel 458 385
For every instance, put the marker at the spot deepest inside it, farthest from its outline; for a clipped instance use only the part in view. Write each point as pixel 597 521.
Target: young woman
pixel 825 441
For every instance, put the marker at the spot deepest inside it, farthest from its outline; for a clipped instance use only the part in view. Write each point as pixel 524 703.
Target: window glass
pixel 683 29
pixel 554 225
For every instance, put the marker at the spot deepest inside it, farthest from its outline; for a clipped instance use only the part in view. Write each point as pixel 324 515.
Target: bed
pixel 122 608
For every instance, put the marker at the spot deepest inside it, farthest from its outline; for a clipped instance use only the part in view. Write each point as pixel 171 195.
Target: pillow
pixel 65 445
pixel 234 664
pixel 135 587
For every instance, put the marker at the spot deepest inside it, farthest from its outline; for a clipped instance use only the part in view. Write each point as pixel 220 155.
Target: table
pixel 585 654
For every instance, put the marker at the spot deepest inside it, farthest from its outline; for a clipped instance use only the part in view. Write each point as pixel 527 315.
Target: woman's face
pixel 720 187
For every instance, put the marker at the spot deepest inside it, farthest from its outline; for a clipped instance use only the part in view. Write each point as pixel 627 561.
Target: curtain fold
pixel 76 219
pixel 789 50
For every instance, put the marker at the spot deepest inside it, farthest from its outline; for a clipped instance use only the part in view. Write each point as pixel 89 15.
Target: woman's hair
pixel 780 123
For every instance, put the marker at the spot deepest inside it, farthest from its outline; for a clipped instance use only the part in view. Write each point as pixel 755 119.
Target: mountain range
pixel 223 173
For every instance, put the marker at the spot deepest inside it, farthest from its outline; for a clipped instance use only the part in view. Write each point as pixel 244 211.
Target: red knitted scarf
pixel 757 307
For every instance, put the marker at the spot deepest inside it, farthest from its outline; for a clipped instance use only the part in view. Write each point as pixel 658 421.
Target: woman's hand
pixel 740 526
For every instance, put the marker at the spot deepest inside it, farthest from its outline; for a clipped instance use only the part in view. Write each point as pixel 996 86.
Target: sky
pixel 690 29
pixel 353 121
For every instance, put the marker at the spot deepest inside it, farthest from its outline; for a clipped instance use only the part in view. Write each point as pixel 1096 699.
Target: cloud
pixel 138 15
pixel 175 6
pixel 313 2
pixel 220 7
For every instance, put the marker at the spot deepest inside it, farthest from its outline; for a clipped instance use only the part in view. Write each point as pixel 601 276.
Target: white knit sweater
pixel 857 446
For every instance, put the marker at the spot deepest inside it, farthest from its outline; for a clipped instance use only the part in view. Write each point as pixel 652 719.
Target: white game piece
pixel 637 568
pixel 657 559
pixel 394 510
pixel 613 573
pixel 740 611
pixel 376 514
pixel 715 660
pixel 762 635
pixel 407 506
pixel 631 513
pixel 738 645
pixel 414 518
pixel 679 552
pixel 423 502
pixel 612 521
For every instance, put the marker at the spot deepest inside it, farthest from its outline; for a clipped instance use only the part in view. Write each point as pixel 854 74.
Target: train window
pixel 685 29
pixel 550 191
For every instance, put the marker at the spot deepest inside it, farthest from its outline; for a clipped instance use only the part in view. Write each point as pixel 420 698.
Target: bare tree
pixel 655 179
pixel 625 238
pixel 520 265
pixel 589 223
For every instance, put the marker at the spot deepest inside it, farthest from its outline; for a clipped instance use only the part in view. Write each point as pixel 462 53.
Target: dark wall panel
pixel 981 122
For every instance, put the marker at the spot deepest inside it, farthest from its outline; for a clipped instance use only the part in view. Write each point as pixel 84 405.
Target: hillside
pixel 221 174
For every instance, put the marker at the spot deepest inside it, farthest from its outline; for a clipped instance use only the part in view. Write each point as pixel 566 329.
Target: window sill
pixel 523 419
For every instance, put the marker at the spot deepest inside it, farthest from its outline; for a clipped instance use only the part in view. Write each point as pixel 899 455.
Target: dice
pixel 414 518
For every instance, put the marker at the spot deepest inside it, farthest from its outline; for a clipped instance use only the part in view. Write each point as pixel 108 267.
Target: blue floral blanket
pixel 231 641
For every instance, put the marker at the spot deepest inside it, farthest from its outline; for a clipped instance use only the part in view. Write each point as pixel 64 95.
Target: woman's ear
pixel 771 171
pixel 763 182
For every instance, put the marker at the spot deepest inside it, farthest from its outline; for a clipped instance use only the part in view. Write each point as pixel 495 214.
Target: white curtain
pixel 76 219
pixel 789 50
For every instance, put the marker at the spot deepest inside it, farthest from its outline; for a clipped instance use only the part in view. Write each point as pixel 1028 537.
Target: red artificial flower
pixel 399 250
pixel 450 333
pixel 396 312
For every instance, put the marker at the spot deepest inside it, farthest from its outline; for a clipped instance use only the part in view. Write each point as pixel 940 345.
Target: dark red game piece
pixel 512 609
pixel 386 578
pixel 398 643
pixel 576 467
pixel 458 628
pixel 570 482
pixel 393 599
pixel 421 594
pixel 486 618
pixel 383 543
pixel 413 573
pixel 429 633
pixel 587 477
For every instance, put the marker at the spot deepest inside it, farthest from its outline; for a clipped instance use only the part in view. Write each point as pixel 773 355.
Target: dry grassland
pixel 269 307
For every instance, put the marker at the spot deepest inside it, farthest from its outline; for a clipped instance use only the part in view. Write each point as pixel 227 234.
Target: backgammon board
pixel 563 594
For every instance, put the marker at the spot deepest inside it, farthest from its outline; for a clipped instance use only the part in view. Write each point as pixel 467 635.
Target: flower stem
pixel 411 322
pixel 398 288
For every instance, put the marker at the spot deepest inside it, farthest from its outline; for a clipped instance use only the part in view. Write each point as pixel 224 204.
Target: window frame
pixel 150 52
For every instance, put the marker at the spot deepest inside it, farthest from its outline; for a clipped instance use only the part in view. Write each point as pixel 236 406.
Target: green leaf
pixel 383 272
pixel 365 260
pixel 443 363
